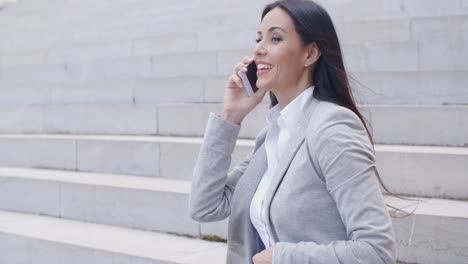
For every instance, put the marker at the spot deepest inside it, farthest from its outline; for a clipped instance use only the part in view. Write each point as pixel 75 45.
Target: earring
pixel 305 65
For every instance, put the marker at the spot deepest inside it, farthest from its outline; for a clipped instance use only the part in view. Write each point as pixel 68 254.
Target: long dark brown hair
pixel 314 25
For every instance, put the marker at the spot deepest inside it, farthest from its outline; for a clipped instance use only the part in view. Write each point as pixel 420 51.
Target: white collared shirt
pixel 282 124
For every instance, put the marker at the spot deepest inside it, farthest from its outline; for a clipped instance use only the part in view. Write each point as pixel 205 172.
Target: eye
pixel 258 39
pixel 276 39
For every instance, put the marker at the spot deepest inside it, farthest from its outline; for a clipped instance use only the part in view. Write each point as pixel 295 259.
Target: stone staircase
pixel 104 103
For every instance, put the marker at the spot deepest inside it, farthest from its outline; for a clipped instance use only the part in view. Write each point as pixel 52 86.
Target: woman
pixel 309 191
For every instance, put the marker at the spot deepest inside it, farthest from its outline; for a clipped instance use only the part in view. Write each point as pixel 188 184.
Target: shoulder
pixel 337 138
pixel 330 122
pixel 332 114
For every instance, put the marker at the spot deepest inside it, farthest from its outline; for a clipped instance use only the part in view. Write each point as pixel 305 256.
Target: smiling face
pixel 280 54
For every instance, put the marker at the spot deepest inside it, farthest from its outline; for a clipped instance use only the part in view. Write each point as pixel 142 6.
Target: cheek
pixel 289 59
pixel 288 66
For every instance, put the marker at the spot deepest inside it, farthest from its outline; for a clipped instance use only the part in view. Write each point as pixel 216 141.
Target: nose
pixel 259 50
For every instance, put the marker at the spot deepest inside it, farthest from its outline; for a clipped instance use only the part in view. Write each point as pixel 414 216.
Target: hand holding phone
pixel 249 79
pixel 236 104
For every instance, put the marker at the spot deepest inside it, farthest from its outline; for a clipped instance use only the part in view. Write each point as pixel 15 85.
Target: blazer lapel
pixel 248 183
pixel 256 170
pixel 295 141
pixel 240 215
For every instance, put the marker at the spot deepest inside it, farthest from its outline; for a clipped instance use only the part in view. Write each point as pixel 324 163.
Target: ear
pixel 312 54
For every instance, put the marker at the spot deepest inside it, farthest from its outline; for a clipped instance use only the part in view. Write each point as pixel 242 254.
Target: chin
pixel 263 85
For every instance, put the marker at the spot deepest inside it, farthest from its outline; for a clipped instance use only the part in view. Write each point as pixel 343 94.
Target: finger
pixel 239 67
pixel 237 80
pixel 255 258
pixel 247 60
pixel 242 65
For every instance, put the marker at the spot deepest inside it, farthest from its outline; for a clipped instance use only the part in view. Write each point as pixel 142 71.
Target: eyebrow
pixel 273 28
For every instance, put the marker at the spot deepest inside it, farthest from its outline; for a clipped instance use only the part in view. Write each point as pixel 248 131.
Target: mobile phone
pixel 249 79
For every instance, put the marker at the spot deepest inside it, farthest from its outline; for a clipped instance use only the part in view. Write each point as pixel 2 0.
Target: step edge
pixel 96 242
pixel 437 149
pixel 121 181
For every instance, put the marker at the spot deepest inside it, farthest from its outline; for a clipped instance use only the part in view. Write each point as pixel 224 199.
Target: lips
pixel 263 67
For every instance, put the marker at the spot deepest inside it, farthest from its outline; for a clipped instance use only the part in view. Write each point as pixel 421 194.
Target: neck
pixel 287 95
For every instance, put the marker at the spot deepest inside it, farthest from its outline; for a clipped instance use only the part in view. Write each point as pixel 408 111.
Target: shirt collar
pixel 273 114
pixel 289 116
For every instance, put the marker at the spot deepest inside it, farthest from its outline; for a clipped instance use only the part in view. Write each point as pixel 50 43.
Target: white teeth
pixel 264 66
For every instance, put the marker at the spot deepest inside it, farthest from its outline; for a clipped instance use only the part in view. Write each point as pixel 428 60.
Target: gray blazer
pixel 324 204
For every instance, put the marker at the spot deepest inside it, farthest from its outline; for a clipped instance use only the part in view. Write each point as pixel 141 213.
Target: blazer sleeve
pixel 212 186
pixel 345 157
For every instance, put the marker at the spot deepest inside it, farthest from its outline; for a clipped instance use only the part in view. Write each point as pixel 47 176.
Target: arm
pixel 212 186
pixel 211 194
pixel 345 157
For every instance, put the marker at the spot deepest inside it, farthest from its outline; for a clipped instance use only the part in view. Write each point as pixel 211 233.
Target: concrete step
pixel 53 10
pixel 399 88
pixel 28 238
pixel 70 93
pixel 195 64
pixel 341 11
pixel 410 55
pixel 126 69
pixel 410 170
pixel 87 18
pixel 141 92
pixel 128 9
pixel 424 171
pixel 5 2
pixel 82 119
pixel 411 88
pixel 425 236
pixel 127 119
pixel 437 231
pixel 151 204
pixel 166 157
pixel 386 88
pixel 401 44
pixel 107 29
pixel 390 124
pixel 368 10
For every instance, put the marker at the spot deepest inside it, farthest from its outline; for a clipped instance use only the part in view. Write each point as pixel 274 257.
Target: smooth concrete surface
pixel 38 239
pixel 434 233
pixel 116 67
pixel 425 236
pixel 144 203
pixel 424 88
pixel 389 124
pixel 135 202
pixel 410 170
pixel 81 119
